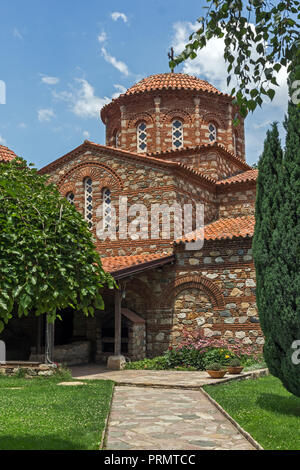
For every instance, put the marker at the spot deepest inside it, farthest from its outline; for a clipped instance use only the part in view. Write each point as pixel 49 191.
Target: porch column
pixel 118 320
pixel 117 361
pixel 49 344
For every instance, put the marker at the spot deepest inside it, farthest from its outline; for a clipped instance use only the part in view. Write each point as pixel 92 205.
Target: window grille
pixel 88 190
pixel 177 134
pixel 212 132
pixel 142 137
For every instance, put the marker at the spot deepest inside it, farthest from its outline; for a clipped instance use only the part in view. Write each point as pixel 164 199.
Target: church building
pixel 170 142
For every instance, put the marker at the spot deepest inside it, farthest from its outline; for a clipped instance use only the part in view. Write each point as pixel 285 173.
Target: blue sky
pixel 62 60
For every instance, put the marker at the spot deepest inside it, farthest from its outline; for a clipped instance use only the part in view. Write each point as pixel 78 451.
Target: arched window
pixel 117 140
pixel 177 134
pixel 142 137
pixel 70 198
pixel 235 144
pixel 106 194
pixel 212 132
pixel 88 196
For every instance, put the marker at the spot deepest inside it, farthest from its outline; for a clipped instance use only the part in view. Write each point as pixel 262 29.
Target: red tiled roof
pixel 244 177
pixel 119 264
pixel 223 229
pixel 165 81
pixel 6 155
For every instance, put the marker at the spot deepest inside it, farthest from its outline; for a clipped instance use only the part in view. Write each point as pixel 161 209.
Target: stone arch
pixel 213 118
pixel 180 114
pixel 93 170
pixel 135 119
pixel 194 282
pixel 67 188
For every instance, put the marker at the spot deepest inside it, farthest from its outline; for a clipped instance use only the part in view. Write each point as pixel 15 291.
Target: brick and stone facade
pixel 168 287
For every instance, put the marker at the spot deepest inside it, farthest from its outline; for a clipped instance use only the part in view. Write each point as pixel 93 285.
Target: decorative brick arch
pixel 135 119
pixel 67 188
pixel 181 114
pixel 193 282
pixel 215 119
pixel 95 171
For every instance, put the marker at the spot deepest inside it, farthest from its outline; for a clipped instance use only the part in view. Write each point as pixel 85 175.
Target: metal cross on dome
pixel 171 57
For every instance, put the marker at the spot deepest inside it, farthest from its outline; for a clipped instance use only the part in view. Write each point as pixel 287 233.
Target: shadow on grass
pixel 38 443
pixel 278 404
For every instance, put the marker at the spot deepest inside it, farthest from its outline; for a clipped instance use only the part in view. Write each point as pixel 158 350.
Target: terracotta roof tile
pixel 223 229
pixel 6 155
pixel 117 263
pixel 165 81
pixel 250 175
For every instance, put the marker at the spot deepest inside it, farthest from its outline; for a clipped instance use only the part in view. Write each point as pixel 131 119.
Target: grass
pixel 264 408
pixel 38 414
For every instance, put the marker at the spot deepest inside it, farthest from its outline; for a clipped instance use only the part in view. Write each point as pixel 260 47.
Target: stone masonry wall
pixel 142 183
pixel 212 290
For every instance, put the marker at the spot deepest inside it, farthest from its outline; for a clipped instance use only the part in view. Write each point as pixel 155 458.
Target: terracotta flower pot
pixel 235 370
pixel 217 374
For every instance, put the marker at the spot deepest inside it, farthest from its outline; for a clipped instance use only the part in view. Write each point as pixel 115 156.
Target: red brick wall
pixel 195 109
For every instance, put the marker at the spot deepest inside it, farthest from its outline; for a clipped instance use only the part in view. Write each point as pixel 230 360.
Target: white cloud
pixel 22 125
pixel 86 134
pixel 2 140
pixel 262 124
pixel 102 37
pixel 121 66
pixel 116 15
pixel 17 34
pixel 45 115
pixel 50 80
pixel 211 66
pixel 120 89
pixel 83 101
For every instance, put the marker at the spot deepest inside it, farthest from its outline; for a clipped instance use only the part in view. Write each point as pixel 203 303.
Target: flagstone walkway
pixel 164 410
pixel 169 419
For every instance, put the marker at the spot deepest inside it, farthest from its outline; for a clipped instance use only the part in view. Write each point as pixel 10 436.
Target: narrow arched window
pixel 142 137
pixel 235 144
pixel 177 134
pixel 88 196
pixel 117 139
pixel 212 132
pixel 70 198
pixel 106 194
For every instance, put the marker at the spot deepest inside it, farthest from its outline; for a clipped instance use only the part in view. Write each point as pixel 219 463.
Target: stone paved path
pixel 169 419
pixel 166 378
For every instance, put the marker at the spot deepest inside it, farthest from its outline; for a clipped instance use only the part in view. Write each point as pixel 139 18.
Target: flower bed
pixel 195 353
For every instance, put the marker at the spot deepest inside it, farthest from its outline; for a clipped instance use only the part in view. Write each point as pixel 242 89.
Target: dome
pixel 6 155
pixel 174 81
pixel 162 81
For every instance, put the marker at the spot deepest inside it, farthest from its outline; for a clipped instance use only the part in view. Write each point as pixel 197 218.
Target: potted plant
pixel 235 367
pixel 216 370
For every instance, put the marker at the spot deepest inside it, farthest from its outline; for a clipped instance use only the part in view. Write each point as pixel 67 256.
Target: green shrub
pixel 235 363
pixel 214 366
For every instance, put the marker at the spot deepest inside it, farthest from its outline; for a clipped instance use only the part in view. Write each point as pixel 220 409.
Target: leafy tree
pixel 276 249
pixel 47 255
pixel 260 37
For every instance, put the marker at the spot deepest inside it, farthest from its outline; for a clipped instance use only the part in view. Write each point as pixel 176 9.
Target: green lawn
pixel 40 415
pixel 264 408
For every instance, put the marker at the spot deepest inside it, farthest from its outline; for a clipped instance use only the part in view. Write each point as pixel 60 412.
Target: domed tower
pixel 6 155
pixel 169 112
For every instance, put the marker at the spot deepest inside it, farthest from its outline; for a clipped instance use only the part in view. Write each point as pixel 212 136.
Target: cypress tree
pixel 276 249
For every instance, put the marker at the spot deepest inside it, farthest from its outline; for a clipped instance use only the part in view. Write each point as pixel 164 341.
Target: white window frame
pixel 212 132
pixel 88 201
pixel 177 138
pixel 141 129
